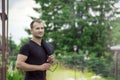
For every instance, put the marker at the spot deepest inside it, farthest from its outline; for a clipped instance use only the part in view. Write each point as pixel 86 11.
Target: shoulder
pixel 25 49
pixel 26 46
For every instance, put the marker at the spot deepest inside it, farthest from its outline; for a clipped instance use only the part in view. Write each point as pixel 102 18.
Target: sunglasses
pixel 53 67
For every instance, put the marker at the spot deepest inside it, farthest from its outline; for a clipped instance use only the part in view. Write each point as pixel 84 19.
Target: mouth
pixel 40 33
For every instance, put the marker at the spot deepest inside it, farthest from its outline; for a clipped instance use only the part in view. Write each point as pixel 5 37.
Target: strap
pixel 48 47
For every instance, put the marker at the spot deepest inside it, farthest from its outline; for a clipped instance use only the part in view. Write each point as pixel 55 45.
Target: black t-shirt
pixel 36 56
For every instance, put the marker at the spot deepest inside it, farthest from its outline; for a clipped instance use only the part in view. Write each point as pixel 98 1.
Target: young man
pixel 33 57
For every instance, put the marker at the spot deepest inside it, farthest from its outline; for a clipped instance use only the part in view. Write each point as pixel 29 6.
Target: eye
pixel 37 28
pixel 42 27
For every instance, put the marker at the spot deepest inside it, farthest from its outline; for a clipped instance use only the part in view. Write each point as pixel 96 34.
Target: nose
pixel 41 30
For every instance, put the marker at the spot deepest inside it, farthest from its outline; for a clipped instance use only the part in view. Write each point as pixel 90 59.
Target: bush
pixel 14 75
pixel 100 66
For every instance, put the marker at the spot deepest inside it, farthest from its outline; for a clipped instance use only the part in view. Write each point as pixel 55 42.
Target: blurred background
pixel 82 32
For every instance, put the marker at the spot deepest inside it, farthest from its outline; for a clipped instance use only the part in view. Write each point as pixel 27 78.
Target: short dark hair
pixel 38 21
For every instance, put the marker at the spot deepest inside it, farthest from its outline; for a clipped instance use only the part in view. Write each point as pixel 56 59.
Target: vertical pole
pixel 6 36
pixel 3 42
pixel 7 25
pixel 75 68
pixel 116 50
pixel 75 49
pixel 116 65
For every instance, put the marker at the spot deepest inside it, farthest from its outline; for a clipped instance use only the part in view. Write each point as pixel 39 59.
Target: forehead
pixel 37 24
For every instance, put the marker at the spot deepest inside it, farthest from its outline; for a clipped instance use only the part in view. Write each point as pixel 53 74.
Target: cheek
pixel 35 32
pixel 43 31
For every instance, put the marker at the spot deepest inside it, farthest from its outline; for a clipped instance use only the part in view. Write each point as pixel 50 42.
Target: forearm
pixel 21 64
pixel 27 67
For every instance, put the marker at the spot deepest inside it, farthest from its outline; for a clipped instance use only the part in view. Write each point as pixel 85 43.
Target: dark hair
pixel 31 24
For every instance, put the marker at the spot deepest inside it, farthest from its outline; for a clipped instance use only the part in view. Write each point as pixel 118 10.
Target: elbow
pixel 18 65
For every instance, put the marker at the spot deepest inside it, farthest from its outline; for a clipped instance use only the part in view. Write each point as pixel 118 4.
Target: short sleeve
pixel 24 50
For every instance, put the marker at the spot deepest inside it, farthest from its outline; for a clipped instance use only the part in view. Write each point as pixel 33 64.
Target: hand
pixel 51 59
pixel 45 66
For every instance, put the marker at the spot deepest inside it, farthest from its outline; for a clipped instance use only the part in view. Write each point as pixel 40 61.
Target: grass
pixel 62 73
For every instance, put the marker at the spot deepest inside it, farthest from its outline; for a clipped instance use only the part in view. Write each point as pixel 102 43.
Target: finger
pixel 51 56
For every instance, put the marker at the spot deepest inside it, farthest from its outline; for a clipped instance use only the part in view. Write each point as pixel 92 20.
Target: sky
pixel 19 12
pixel 19 18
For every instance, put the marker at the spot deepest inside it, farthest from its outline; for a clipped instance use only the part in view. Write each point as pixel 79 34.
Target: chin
pixel 39 37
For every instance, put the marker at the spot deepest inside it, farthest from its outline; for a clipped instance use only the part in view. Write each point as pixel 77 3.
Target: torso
pixel 37 56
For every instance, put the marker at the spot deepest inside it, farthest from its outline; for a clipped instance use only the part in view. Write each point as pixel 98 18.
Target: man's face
pixel 37 30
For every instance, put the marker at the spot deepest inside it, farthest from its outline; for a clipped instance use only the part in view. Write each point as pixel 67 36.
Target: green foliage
pixel 100 66
pixel 12 59
pixel 115 32
pixel 70 23
pixel 23 41
pixel 14 75
pixel 84 61
pixel 12 72
pixel 12 46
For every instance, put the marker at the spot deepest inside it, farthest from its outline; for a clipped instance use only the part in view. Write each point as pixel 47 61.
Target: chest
pixel 37 51
pixel 37 55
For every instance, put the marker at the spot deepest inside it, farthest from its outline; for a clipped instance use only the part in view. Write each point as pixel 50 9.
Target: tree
pixel 77 22
pixel 115 32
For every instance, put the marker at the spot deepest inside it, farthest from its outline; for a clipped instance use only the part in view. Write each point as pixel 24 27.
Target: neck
pixel 37 40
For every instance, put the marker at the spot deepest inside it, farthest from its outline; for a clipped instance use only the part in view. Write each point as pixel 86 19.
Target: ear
pixel 31 30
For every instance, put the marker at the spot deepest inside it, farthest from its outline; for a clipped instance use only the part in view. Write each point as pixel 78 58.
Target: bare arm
pixel 21 64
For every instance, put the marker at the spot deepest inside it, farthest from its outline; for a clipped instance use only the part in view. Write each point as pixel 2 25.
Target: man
pixel 33 57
